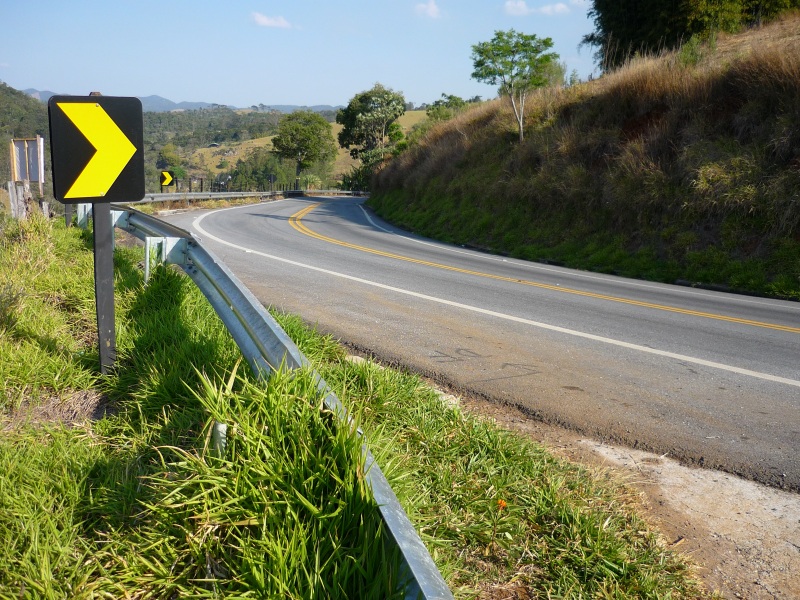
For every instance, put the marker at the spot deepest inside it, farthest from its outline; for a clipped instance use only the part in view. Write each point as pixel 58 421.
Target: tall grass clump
pixel 699 142
pixel 138 503
pixel 46 314
pixel 282 511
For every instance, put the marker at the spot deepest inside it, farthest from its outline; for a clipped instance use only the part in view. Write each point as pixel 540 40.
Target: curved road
pixel 711 379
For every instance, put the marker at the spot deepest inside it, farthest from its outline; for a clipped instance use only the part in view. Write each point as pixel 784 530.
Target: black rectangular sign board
pixel 97 148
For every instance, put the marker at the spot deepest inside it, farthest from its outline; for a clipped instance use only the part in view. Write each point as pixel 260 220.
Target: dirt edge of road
pixel 743 536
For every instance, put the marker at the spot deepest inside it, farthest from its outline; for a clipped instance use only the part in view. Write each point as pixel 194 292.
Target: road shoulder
pixel 744 536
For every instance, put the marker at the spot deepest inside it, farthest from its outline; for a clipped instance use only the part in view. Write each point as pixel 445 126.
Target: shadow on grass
pixel 151 391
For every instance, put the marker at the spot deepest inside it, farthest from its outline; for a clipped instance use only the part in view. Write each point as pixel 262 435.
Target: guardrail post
pixel 152 244
pixel 82 211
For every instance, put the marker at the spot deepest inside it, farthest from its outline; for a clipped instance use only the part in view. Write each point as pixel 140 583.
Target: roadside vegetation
pixel 111 486
pixel 684 166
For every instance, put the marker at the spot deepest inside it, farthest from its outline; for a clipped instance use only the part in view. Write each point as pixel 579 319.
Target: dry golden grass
pixel 411 118
pixel 782 34
pixel 210 158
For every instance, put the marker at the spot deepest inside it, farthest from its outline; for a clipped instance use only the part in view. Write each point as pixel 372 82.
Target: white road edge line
pixel 686 291
pixel 484 311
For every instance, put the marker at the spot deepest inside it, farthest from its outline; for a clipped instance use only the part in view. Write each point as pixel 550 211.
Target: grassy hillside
pixel 684 166
pixel 223 158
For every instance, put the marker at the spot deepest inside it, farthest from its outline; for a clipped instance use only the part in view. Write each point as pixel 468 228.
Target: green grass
pixel 44 317
pixel 500 512
pixel 143 504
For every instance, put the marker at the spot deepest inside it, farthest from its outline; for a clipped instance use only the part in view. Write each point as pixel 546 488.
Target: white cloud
pixel 555 9
pixel 520 8
pixel 429 9
pixel 517 8
pixel 265 21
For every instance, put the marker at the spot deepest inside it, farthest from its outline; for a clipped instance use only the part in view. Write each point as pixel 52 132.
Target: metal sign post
pixel 98 157
pixel 104 284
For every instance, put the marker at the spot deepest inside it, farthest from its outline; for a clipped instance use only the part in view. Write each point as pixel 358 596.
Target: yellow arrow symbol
pixel 113 149
pixel 166 178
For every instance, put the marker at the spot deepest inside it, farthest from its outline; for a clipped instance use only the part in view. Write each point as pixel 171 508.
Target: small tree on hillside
pixel 445 108
pixel 367 123
pixel 518 63
pixel 304 137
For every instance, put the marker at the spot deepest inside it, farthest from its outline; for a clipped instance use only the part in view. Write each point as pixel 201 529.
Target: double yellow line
pixel 296 221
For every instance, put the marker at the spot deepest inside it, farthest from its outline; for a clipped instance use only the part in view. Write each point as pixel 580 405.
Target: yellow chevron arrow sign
pixel 167 177
pixel 96 144
pixel 114 150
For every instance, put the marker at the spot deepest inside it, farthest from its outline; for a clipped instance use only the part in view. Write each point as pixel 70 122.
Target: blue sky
pixel 245 52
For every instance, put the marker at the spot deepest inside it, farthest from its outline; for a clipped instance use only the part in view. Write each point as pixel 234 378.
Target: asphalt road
pixel 709 378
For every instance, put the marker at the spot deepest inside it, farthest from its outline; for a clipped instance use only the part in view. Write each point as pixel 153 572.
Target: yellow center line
pixel 296 221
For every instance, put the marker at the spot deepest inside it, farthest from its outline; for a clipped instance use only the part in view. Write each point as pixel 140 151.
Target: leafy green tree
pixel 556 73
pixel 254 171
pixel 624 28
pixel 366 123
pixel 516 61
pixel 445 108
pixel 756 11
pixel 304 137
pixel 168 157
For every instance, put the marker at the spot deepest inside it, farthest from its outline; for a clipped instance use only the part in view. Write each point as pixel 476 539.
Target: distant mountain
pixel 160 104
pixel 289 108
pixel 42 95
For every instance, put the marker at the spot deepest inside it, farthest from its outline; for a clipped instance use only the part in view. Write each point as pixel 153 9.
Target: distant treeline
pixel 192 129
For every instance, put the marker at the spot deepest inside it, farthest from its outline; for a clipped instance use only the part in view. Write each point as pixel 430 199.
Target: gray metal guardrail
pixel 267 347
pixel 197 196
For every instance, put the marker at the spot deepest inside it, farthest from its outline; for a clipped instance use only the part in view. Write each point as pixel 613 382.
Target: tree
pixel 261 169
pixel 445 108
pixel 168 157
pixel 304 137
pixel 518 63
pixel 556 74
pixel 366 123
pixel 624 28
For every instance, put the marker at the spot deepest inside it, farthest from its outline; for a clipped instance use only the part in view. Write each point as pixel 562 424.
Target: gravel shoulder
pixel 743 536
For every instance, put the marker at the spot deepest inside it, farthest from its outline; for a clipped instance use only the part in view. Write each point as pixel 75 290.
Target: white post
pixel 40 148
pixel 12 199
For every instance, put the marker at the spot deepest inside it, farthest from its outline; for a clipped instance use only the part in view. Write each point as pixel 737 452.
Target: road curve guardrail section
pixel 267 347
pixel 199 196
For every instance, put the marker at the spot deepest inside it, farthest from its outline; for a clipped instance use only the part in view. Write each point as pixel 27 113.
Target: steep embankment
pixel 685 166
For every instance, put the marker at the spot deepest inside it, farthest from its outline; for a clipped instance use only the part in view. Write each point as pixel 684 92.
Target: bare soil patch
pixel 72 410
